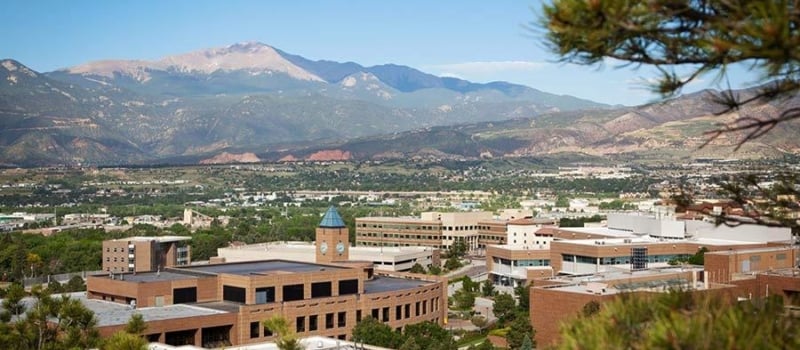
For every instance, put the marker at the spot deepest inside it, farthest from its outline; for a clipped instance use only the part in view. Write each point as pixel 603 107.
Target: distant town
pixel 491 253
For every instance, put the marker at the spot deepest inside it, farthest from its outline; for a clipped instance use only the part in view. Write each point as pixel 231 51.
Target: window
pixel 265 295
pixel 417 309
pixel 300 324
pixel 341 319
pixel 358 315
pixel 234 294
pixel 386 314
pixel 254 328
pixel 398 312
pixel 329 321
pixel 424 307
pixel 781 256
pixel 348 287
pixel 312 322
pixel 321 289
pixel 408 310
pixel 184 295
pixel 293 292
pixel 375 314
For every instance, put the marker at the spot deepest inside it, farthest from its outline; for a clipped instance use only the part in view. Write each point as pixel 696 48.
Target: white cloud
pixel 487 67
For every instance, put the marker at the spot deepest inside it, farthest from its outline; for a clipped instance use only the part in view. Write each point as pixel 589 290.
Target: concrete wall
pixel 747 232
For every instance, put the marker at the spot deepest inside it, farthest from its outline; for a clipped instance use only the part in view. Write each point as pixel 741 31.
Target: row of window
pixel 525 241
pixel 420 227
pixel 525 262
pixel 396 235
pixel 500 237
pixel 291 292
pixel 619 260
pixel 400 226
pixel 130 260
pixel 403 311
pixel 255 327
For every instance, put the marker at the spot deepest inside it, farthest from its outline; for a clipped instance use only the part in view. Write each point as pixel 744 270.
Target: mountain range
pixel 252 102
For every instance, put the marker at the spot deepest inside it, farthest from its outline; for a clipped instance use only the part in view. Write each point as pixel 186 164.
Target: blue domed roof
pixel 332 219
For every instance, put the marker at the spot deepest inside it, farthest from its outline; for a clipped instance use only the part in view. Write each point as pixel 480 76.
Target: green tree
pixel 469 285
pixel 685 40
pixel 371 331
pixel 464 300
pixel 683 320
pixel 699 257
pixel 410 344
pixel 458 249
pixel 523 296
pixel 487 289
pixel 124 341
pixel 55 287
pixel 699 37
pixel 417 268
pixel 452 263
pixel 503 307
pixel 75 284
pixel 519 329
pixel 527 344
pixel 55 323
pixel 12 303
pixel 286 337
pixel 435 270
pixel 562 201
pixel 430 335
pixel 136 324
pixel 590 308
pixel 479 321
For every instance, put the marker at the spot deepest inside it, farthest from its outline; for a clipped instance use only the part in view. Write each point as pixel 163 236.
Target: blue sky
pixel 476 40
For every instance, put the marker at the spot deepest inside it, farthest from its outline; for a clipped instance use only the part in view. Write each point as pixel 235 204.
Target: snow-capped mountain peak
pixel 249 56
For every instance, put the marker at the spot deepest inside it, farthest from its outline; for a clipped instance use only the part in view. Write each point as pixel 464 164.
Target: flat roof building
pixel 224 304
pixel 431 229
pixel 138 254
pixel 382 258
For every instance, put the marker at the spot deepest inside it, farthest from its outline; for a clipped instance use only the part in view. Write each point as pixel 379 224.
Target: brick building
pixel 224 304
pixel 138 254
pixel 431 229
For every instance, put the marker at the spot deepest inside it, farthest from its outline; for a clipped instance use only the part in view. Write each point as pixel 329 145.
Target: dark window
pixel 348 287
pixel 424 306
pixel 267 332
pixel 234 294
pixel 329 321
pixel 375 314
pixel 341 337
pixel 398 312
pixel 408 310
pixel 184 295
pixel 386 314
pixel 341 319
pixel 178 338
pixel 417 310
pixel 293 292
pixel 358 315
pixel 321 289
pixel 254 327
pixel 265 295
pixel 312 322
pixel 300 324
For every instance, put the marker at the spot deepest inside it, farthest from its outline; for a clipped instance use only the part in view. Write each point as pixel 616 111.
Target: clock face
pixel 323 247
pixel 340 247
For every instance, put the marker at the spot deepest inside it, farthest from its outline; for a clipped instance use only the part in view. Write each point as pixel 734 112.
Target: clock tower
pixel 333 238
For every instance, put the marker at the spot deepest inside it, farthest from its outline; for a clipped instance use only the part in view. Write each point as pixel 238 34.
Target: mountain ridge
pixel 253 99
